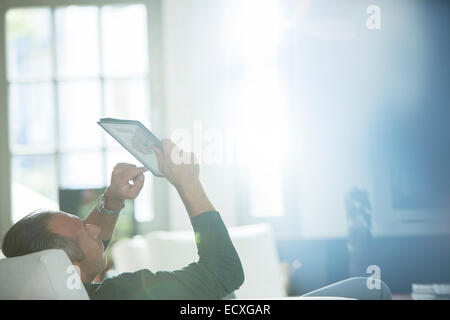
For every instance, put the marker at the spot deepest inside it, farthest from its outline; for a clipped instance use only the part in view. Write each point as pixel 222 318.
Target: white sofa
pixel 50 275
pixel 44 275
pixel 174 250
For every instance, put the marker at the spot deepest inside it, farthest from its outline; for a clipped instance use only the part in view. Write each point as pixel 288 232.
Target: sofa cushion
pixel 47 274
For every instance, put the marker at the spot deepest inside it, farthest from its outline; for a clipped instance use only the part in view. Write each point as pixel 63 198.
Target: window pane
pixel 29 43
pixel 77 41
pixel 124 40
pixel 78 201
pixel 34 184
pixel 78 113
pixel 118 156
pixel 127 100
pixel 31 116
pixel 81 171
pixel 143 203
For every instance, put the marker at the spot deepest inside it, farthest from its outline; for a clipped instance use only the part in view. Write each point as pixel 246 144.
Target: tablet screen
pixel 136 138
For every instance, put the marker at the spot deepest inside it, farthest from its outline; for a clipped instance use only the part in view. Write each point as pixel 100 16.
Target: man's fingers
pixel 133 190
pixel 173 154
pixel 139 180
pixel 194 159
pixel 158 153
pixel 138 184
pixel 132 172
pixel 167 145
pixel 123 166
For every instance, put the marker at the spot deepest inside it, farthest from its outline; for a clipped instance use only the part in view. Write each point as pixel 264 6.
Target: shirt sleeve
pixel 216 274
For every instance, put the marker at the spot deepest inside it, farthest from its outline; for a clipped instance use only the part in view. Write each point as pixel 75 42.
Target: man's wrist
pixel 189 188
pixel 112 202
pixel 194 198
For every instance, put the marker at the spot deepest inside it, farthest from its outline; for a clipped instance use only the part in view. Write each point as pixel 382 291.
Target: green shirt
pixel 217 273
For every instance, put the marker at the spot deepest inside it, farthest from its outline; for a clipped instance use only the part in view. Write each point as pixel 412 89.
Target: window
pixel 67 67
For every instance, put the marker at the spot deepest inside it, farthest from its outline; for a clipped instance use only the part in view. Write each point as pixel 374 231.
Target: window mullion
pixel 55 101
pixel 102 92
pixel 5 155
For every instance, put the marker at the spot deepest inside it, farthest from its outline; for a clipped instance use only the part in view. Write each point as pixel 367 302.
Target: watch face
pixel 102 209
pixel 101 203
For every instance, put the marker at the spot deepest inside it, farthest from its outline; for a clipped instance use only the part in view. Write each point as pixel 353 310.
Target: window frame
pixel 155 91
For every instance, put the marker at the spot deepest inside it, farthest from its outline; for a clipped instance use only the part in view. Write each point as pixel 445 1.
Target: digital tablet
pixel 136 138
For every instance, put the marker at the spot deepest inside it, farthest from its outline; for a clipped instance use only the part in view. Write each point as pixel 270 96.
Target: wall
pixel 200 77
pixel 196 83
pixel 340 77
pixel 402 261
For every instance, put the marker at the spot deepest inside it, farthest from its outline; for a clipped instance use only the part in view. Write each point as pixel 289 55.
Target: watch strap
pixel 101 202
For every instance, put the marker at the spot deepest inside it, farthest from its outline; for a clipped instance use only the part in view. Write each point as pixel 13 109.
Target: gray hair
pixel 31 234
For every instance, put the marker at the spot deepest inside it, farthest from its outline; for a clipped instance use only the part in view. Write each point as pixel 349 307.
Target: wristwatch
pixel 101 207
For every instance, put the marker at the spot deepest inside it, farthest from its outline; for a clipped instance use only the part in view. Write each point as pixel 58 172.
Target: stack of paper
pixel 430 291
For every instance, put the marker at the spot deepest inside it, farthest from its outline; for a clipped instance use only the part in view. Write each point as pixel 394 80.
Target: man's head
pixel 42 230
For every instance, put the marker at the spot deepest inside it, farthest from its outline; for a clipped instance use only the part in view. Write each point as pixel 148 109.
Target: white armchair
pixel 50 275
pixel 174 250
pixel 44 275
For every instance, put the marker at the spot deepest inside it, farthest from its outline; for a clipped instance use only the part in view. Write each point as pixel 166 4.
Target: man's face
pixel 87 237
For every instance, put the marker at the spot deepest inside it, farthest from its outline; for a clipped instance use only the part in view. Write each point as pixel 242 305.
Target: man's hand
pixel 120 188
pixel 182 170
pixel 179 167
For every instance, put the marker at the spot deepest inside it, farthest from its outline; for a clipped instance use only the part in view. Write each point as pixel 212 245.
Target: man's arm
pixel 184 177
pixel 119 190
pixel 218 271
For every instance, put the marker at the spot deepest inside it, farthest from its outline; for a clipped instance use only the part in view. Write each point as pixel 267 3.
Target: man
pixel 217 273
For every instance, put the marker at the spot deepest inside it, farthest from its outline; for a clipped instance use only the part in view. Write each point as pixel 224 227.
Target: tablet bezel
pixel 145 130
